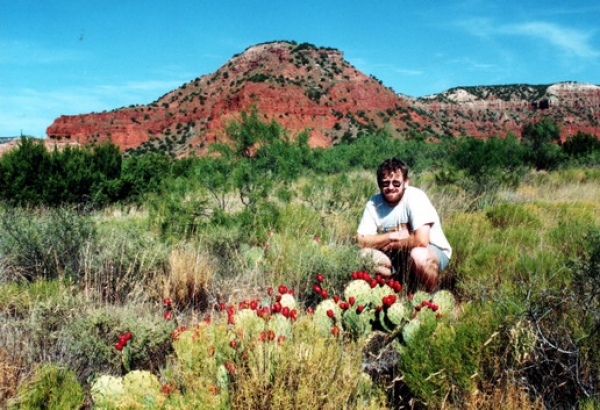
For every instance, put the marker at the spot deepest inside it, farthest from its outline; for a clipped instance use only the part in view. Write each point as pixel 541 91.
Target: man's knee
pixel 423 257
pixel 377 256
pixel 383 263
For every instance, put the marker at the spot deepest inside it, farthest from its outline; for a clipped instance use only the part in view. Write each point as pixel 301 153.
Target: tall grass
pixel 523 267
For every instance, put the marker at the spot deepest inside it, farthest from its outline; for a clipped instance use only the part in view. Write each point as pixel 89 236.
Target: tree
pixel 542 140
pixel 581 145
pixel 24 172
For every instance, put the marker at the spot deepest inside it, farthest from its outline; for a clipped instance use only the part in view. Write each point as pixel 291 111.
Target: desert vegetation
pixel 231 281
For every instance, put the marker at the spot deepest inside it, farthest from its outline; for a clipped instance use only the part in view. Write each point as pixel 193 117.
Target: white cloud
pixel 405 71
pixel 572 41
pixel 17 52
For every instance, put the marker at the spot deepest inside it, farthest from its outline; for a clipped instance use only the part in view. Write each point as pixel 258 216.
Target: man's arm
pixel 402 240
pixel 375 241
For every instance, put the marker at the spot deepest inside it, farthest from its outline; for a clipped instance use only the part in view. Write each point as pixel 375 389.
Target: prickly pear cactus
pixel 419 297
pixel 322 322
pixel 107 389
pixel 410 330
pixel 222 377
pixel 141 385
pixel 445 302
pixel 288 301
pixel 327 305
pixel 280 325
pixel 379 292
pixel 360 290
pixel 248 323
pixel 398 312
pixel 359 323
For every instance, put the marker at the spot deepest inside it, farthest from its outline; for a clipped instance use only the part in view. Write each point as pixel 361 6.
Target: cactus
pixel 107 389
pixel 397 312
pixel 222 377
pixel 288 301
pixel 419 297
pixel 321 320
pixel 445 301
pixel 248 323
pixel 280 325
pixel 141 385
pixel 379 292
pixel 359 323
pixel 326 305
pixel 410 330
pixel 359 290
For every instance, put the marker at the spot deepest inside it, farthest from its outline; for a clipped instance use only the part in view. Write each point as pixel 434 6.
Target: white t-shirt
pixel 412 212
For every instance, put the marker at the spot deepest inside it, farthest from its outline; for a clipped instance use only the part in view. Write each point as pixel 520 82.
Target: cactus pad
pixel 107 388
pixel 397 312
pixel 359 290
pixel 288 301
pixel 445 301
pixel 248 323
pixel 141 385
pixel 419 297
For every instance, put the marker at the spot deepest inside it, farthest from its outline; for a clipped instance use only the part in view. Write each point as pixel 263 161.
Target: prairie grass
pixel 189 277
pixel 522 255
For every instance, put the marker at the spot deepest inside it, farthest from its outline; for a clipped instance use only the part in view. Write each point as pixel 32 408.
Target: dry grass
pixel 11 372
pixel 308 372
pixel 508 397
pixel 189 277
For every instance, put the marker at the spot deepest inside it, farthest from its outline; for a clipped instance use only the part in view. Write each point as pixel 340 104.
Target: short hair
pixel 392 165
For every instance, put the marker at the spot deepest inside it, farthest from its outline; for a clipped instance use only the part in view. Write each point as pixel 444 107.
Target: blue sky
pixel 74 57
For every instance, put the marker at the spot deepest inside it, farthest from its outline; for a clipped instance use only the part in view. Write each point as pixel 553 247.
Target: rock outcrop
pixel 307 88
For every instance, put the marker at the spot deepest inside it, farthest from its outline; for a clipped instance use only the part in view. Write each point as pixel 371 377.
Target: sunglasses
pixel 395 183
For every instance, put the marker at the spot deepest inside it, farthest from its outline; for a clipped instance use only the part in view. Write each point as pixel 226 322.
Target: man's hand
pixel 397 240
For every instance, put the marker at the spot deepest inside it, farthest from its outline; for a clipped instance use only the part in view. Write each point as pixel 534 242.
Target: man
pixel 401 220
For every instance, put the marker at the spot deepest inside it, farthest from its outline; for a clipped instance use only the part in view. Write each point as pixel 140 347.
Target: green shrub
pixel 50 387
pixel 88 340
pixel 443 362
pixel 123 261
pixel 45 244
pixel 31 317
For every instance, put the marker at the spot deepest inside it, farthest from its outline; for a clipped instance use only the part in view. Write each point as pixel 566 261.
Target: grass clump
pixel 50 387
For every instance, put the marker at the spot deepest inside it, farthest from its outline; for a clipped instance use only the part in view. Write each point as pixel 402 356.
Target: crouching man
pixel 400 220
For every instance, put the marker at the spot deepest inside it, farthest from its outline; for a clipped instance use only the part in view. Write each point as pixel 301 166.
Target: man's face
pixel 392 187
